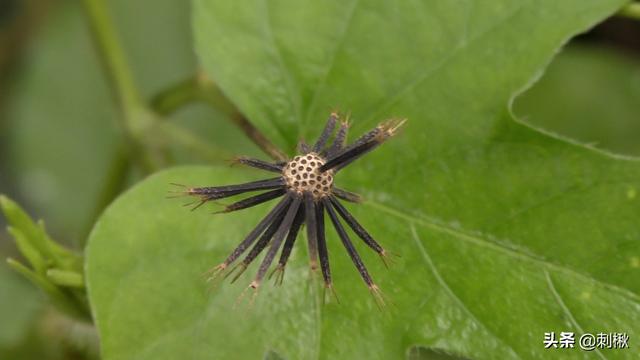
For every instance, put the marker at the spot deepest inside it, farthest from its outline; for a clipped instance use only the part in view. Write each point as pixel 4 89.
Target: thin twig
pixel 113 58
pixel 176 96
pixel 201 88
pixel 135 115
pixel 194 143
pixel 257 137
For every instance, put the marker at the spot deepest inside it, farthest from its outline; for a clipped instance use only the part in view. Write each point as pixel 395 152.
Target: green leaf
pixel 37 261
pixel 62 299
pixel 65 278
pixel 599 109
pixel 53 266
pixel 505 232
pixel 32 239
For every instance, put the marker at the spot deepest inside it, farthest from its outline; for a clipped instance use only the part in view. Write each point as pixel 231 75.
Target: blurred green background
pixel 60 144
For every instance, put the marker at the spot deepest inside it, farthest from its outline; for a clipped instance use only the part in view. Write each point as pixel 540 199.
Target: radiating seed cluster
pixel 303 174
pixel 307 193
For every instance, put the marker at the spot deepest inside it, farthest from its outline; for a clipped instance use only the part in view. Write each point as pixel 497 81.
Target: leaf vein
pixel 344 31
pixel 565 309
pixel 290 83
pixel 449 291
pixel 426 74
pixel 503 248
pixel 573 189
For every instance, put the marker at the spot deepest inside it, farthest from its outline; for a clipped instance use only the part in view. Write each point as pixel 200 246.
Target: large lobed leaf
pixel 505 232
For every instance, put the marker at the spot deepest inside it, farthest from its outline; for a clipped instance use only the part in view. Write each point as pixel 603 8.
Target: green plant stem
pixel 66 278
pixel 78 339
pixel 112 55
pixel 200 88
pixel 134 119
pixel 194 143
pixel 631 10
pixel 176 96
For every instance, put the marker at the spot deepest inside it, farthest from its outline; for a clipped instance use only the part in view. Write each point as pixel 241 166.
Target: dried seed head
pixel 307 168
pixel 306 182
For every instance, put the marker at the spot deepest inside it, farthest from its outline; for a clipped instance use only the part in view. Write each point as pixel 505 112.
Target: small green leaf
pixel 61 299
pixel 53 265
pixel 20 220
pixel 66 278
pixel 28 251
pixel 50 252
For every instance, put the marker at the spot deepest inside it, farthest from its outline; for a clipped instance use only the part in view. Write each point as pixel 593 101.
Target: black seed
pixel 303 161
pixel 305 175
pixel 312 182
pixel 298 177
pixel 295 183
pixel 313 163
pixel 318 186
pixel 300 168
pixel 309 169
pixel 324 182
pixel 293 171
pixel 304 183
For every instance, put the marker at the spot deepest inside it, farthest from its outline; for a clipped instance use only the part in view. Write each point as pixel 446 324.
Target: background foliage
pixel 505 231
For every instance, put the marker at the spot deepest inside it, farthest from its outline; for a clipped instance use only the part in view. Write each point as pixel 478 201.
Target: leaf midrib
pixel 291 86
pixel 468 236
pixel 329 68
